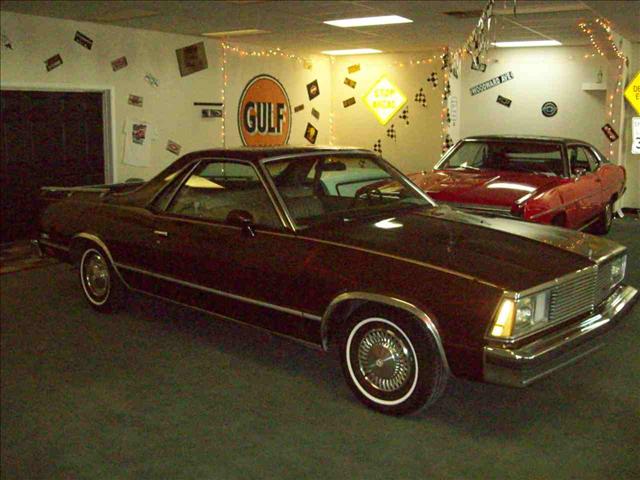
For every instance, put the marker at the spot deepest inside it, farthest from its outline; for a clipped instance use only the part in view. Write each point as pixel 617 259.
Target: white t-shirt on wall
pixel 137 142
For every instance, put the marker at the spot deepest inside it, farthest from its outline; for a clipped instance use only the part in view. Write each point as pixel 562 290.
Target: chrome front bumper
pixel 522 366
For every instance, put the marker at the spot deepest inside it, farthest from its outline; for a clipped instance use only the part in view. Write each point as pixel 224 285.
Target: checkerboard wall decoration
pixel 391 132
pixel 421 98
pixel 405 115
pixel 433 79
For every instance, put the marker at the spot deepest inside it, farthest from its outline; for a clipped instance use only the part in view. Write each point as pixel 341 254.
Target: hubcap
pixel 96 275
pixel 384 360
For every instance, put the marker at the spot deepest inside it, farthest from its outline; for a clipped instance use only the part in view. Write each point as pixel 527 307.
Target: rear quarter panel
pixel 613 181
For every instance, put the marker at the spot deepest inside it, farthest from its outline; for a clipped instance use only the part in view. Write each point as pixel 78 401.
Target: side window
pixel 580 161
pixel 594 163
pixel 216 188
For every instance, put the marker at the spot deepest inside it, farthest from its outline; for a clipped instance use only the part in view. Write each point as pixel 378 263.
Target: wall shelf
pixel 594 87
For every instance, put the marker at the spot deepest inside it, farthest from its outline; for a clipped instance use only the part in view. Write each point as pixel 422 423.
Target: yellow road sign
pixel 632 93
pixel 384 99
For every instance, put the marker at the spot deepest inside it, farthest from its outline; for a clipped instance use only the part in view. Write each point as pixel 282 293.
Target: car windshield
pixel 536 157
pixel 341 187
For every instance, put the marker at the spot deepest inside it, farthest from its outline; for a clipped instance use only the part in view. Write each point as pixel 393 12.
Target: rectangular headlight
pixel 618 269
pixel 524 315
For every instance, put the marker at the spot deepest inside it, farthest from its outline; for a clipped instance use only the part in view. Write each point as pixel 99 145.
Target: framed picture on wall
pixel 192 59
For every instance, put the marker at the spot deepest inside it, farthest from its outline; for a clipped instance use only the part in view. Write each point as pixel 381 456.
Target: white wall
pixel 169 107
pixel 417 145
pixel 631 162
pixel 294 77
pixel 540 75
pixel 554 74
pixel 545 74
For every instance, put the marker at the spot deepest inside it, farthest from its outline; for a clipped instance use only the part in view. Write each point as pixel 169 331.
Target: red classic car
pixel 337 249
pixel 556 181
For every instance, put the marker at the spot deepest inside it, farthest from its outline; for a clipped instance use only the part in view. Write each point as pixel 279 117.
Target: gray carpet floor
pixel 161 392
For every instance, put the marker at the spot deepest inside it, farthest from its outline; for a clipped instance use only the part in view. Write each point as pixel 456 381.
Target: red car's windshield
pixel 534 157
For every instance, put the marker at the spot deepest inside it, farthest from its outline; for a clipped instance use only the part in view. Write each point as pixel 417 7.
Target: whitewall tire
pixel 100 284
pixel 391 363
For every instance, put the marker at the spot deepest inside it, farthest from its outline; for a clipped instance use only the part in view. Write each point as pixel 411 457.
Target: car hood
pixel 488 187
pixel 508 254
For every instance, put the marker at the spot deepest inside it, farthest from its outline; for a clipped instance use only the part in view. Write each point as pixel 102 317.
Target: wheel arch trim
pixel 426 321
pixel 98 241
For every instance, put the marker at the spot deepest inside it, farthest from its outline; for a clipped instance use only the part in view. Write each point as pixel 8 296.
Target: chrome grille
pixel 574 296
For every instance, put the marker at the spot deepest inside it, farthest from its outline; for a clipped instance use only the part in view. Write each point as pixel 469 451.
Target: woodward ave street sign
pixel 494 82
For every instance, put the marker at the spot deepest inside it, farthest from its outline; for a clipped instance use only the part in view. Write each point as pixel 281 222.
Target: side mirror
pixel 578 172
pixel 242 219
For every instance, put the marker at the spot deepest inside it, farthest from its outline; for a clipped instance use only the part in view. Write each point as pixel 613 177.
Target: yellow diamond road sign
pixel 632 93
pixel 384 99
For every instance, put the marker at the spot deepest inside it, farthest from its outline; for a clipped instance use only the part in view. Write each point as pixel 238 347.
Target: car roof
pixel 255 154
pixel 525 138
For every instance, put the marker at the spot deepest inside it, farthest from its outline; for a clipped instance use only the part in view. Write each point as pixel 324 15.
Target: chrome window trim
pixel 325 153
pixel 234 296
pixel 188 168
pixel 208 160
pixel 386 300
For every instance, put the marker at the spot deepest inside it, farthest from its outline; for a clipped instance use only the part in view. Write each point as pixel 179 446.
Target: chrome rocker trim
pixel 214 291
pixel 522 366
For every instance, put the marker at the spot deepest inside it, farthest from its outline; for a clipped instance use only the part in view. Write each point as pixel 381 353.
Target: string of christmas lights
pixel 225 79
pixel 588 29
pixel 269 52
pixel 596 30
pixel 444 125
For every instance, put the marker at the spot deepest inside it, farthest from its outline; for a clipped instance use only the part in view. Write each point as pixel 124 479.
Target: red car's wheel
pixel 604 222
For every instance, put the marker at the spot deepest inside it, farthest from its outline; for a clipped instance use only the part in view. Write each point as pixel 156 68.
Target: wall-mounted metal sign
pixel 494 82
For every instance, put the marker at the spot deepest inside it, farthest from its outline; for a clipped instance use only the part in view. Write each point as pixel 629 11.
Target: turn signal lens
pixel 504 322
pixel 522 316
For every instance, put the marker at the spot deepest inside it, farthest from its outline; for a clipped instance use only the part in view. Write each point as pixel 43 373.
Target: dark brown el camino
pixel 337 249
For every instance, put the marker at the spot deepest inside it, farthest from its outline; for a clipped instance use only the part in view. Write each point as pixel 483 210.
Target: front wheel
pixel 390 362
pixel 101 286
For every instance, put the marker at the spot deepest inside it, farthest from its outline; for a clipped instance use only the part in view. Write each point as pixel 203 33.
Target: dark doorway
pixel 48 138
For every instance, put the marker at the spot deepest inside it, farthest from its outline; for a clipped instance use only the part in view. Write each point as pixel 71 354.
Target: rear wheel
pixel 390 362
pixel 604 222
pixel 101 286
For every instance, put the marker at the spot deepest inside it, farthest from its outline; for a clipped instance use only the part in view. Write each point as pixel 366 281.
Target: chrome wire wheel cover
pixel 384 360
pixel 95 275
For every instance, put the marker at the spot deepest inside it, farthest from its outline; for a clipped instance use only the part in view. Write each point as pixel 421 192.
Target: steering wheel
pixel 369 192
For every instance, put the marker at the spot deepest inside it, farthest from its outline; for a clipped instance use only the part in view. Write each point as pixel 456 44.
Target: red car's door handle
pixel 161 233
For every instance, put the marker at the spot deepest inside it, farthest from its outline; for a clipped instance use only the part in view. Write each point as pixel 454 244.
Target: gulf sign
pixel 264 112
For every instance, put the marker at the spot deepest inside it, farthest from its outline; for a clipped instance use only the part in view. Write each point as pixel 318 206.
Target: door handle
pixel 161 233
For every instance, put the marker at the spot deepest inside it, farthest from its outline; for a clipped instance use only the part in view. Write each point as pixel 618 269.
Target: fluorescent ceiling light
pixel 235 33
pixel 528 43
pixel 352 51
pixel 368 21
